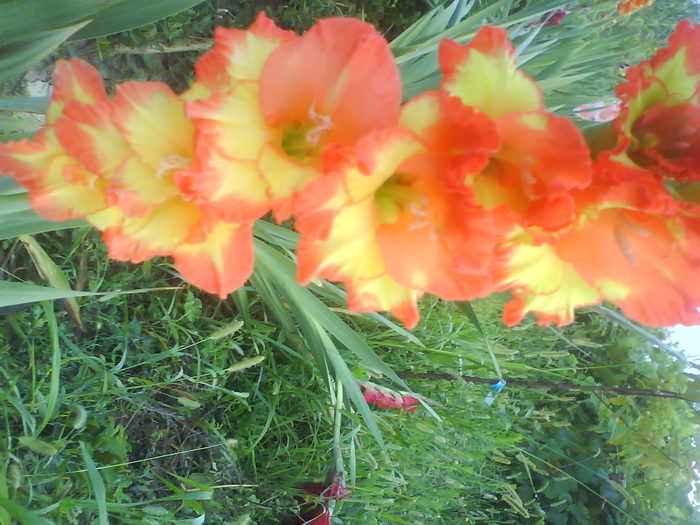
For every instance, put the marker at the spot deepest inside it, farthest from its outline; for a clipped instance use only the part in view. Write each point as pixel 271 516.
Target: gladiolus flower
pixel 338 217
pixel 633 246
pixel 320 513
pixel 115 163
pixel 626 8
pixel 265 135
pixel 659 125
pixel 541 157
pixel 59 187
pixel 598 111
pixel 386 399
pixel 636 241
pixel 387 220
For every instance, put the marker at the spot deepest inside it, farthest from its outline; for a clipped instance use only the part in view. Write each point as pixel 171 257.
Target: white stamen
pixel 417 209
pixel 529 177
pixel 680 145
pixel 416 225
pixel 171 162
pixel 324 124
pixel 636 228
pixel 623 243
pixel 530 181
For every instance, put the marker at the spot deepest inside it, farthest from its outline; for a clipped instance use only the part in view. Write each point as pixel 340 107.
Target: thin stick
pixel 627 391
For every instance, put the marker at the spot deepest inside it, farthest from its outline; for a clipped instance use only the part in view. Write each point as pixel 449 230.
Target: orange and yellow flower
pixel 541 158
pixel 634 237
pixel 630 246
pixel 260 138
pixel 461 191
pixel 115 162
pixel 60 188
pixel 338 216
pixel 391 216
pixel 629 6
pixel 659 126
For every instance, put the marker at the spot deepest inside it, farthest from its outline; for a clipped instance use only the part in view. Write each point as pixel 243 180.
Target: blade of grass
pixel 50 272
pixel 468 310
pixel 18 56
pixel 123 15
pixel 98 486
pixel 27 104
pixel 622 320
pixel 52 398
pixel 21 514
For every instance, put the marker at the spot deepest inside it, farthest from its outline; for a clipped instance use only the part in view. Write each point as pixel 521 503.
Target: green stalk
pixel 52 400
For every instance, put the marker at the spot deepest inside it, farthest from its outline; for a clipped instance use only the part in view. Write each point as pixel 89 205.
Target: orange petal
pixel 232 123
pixel 159 232
pixel 59 189
pixel 543 283
pixel 384 293
pixel 542 158
pixel 641 261
pixel 59 199
pixel 353 175
pixel 136 189
pixel 232 190
pixel 439 242
pixel 340 70
pixel 153 122
pixel 89 135
pixel 285 178
pixel 351 254
pixel 483 74
pixel 239 55
pixel 74 80
pixel 26 160
pixel 221 263
pixel 447 127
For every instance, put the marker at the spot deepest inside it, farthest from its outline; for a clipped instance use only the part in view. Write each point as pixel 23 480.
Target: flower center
pixel 400 195
pixel 171 162
pixel 306 139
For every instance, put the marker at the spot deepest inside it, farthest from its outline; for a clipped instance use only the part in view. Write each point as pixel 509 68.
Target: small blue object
pixel 497 387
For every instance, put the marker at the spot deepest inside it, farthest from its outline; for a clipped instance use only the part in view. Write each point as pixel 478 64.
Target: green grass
pixel 166 409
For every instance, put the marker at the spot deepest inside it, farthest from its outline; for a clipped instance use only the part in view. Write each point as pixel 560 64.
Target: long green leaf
pixel 468 310
pixel 27 104
pixel 54 383
pixel 17 217
pixel 623 321
pixel 12 293
pixel 284 271
pixel 350 384
pixel 98 486
pixel 18 56
pixel 8 186
pixel 20 19
pixel 123 15
pixel 52 274
pixel 22 514
pixel 315 319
